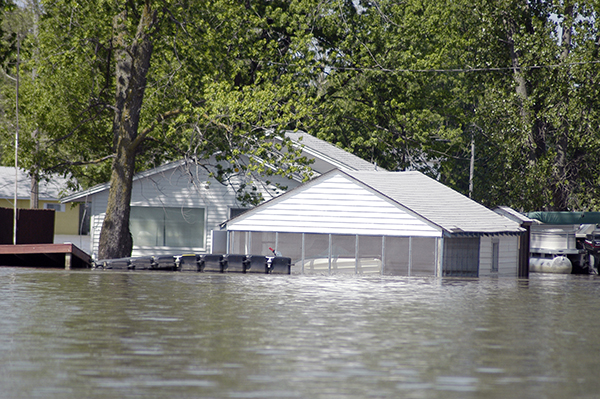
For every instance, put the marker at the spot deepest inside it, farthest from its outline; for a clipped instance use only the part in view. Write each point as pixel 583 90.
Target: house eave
pixel 455 234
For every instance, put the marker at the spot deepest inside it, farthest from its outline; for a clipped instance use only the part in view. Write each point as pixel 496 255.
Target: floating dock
pixel 66 256
pixel 204 263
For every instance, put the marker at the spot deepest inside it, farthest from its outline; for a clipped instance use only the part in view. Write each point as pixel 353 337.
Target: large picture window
pixel 167 227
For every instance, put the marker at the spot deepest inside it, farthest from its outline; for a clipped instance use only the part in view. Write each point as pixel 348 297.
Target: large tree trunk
pixel 132 63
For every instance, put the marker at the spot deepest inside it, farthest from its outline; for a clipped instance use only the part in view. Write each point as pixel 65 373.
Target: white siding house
pixel 177 207
pixel 174 208
pixel 400 223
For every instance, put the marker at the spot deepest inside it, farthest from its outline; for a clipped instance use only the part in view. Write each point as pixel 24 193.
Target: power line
pixel 449 70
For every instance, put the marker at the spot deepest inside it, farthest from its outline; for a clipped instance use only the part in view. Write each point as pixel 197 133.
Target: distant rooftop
pixel 48 190
pixel 328 152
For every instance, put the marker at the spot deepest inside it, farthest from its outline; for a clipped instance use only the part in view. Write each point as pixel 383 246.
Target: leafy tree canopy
pixel 406 85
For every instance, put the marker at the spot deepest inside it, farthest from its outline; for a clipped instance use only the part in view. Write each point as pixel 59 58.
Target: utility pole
pixel 34 198
pixel 472 166
pixel 15 213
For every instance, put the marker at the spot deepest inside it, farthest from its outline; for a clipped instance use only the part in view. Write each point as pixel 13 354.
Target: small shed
pixel 391 223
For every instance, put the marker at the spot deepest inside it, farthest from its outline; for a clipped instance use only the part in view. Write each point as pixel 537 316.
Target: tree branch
pixel 78 163
pixel 161 118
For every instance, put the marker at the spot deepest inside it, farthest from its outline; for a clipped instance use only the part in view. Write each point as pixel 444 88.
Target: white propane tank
pixel 559 264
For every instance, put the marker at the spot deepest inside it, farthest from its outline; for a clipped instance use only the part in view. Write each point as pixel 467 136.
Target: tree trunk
pixel 536 137
pixel 132 63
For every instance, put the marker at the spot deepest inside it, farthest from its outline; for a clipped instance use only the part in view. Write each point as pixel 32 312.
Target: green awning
pixel 566 217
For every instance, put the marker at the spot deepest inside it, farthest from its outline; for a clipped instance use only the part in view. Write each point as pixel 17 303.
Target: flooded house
pixel 390 223
pixel 178 207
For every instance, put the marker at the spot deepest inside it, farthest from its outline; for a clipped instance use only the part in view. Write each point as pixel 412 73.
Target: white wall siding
pixel 335 205
pixel 175 188
pixel 508 260
pixel 485 257
pixel 508 264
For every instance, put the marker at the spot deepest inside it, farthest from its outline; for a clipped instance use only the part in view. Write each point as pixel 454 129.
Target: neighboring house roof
pixel 416 194
pixel 320 149
pixel 50 190
pixel 141 175
pixel 105 186
pixel 328 156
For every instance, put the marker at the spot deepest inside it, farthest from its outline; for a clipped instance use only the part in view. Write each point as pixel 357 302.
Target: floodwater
pixel 101 334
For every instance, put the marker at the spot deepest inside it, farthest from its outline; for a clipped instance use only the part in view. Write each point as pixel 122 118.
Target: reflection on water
pixel 186 335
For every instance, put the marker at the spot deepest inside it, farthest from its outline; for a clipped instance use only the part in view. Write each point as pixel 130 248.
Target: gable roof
pixel 105 186
pixel 434 201
pixel 320 149
pixel 413 193
pixel 50 190
pixel 328 156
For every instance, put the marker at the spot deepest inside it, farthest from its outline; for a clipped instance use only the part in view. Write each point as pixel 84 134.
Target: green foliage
pixel 228 73
pixel 410 84
pixel 407 85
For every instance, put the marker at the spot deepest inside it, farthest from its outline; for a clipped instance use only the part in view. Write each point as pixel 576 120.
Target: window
pixel 56 207
pixel 495 254
pixel 167 227
pixel 233 212
pixel 85 210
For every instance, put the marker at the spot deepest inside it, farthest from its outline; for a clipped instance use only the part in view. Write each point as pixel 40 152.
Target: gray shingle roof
pixel 436 202
pixel 48 190
pixel 321 149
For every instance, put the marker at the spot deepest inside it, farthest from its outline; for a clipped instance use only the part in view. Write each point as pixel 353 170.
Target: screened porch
pixel 352 254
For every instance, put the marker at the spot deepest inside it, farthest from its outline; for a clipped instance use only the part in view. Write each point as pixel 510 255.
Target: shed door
pixel 461 257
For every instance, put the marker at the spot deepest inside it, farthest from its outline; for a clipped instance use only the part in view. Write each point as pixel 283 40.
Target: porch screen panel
pixel 396 256
pixel 461 257
pixel 260 243
pixel 290 245
pixel 343 254
pixel 237 245
pixel 423 256
pixel 369 255
pixel 316 253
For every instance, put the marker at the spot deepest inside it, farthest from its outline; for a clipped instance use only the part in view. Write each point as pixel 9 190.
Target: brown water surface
pixel 93 334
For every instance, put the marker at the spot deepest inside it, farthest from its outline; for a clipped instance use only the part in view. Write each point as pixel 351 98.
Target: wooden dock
pixel 66 256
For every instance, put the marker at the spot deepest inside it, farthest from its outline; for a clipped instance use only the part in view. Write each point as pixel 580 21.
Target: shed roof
pixel 49 190
pixel 419 195
pixel 449 209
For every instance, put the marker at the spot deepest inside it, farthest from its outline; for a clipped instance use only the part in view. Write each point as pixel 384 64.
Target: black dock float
pixel 202 263
pixel 280 265
pixel 113 264
pixel 165 262
pixel 187 262
pixel 234 263
pixel 141 263
pixel 256 264
pixel 211 263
